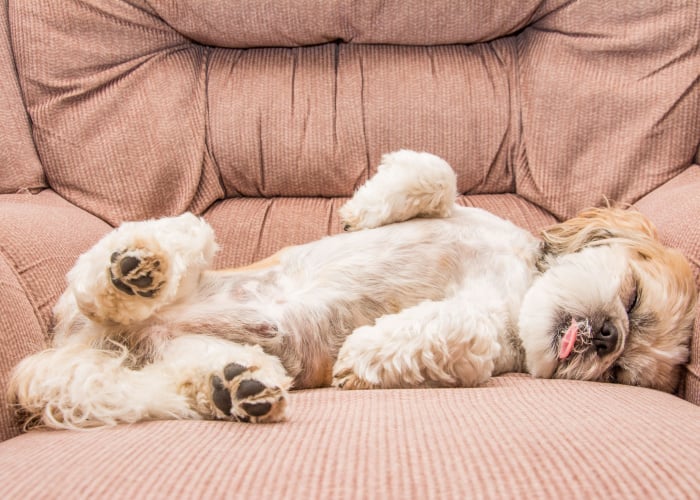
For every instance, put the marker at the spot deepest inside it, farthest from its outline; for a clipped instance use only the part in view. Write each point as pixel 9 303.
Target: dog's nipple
pixel 568 340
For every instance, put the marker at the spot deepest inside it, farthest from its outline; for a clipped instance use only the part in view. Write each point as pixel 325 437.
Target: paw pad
pixel 232 370
pixel 136 273
pixel 256 409
pixel 249 388
pixel 220 395
pixel 243 398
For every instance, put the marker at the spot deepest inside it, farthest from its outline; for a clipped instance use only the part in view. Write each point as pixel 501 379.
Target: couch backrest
pixel 20 168
pixel 148 108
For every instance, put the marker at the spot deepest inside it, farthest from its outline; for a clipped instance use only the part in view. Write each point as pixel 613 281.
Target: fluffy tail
pixel 407 185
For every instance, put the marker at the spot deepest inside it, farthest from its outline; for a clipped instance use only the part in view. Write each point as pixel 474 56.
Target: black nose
pixel 605 339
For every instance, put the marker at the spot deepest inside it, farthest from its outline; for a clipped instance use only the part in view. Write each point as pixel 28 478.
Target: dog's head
pixel 612 303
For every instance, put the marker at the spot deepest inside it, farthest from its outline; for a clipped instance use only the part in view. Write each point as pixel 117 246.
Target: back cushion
pixel 20 168
pixel 610 101
pixel 144 109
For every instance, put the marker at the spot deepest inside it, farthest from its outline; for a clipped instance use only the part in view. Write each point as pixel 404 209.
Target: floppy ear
pixel 594 226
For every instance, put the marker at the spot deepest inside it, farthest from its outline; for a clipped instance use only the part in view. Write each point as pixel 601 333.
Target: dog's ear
pixel 594 227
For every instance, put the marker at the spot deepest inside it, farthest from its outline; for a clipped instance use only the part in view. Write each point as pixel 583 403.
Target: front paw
pixel 348 370
pixel 348 379
pixel 137 271
pixel 238 393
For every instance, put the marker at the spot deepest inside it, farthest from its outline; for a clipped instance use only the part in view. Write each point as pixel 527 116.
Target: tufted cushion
pixel 20 168
pixel 292 23
pixel 610 98
pixel 152 108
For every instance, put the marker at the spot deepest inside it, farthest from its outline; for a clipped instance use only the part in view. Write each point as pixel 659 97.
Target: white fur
pixel 449 297
pixel 555 288
pixel 407 185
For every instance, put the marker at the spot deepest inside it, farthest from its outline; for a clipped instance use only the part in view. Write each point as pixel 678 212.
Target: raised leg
pixel 407 184
pixel 432 344
pixel 140 267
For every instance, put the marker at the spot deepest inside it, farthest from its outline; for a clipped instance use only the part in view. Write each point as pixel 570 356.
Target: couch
pixel 263 116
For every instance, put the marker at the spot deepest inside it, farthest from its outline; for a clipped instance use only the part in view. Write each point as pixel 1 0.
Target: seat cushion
pixel 250 229
pixel 517 437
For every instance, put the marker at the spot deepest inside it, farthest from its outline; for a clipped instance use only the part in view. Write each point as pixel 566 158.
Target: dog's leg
pixel 226 380
pixel 140 267
pixel 407 184
pixel 75 386
pixel 445 343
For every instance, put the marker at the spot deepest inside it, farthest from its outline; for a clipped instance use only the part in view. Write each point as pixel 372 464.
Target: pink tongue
pixel 568 340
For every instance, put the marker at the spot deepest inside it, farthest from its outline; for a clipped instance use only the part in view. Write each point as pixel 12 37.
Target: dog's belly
pixel 304 307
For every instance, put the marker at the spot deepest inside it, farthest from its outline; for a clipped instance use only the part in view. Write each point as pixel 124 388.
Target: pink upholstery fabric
pixel 518 438
pixel 22 334
pixel 40 238
pixel 671 207
pixel 20 169
pixel 263 116
pixel 285 23
pixel 559 113
pixel 610 101
pixel 250 229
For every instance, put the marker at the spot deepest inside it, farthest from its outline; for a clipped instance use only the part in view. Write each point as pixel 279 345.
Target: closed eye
pixel 633 300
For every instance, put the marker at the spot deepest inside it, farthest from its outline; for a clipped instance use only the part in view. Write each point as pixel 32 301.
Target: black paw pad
pixel 120 285
pixel 128 264
pixel 220 395
pixel 129 277
pixel 249 388
pixel 256 409
pixel 142 281
pixel 232 370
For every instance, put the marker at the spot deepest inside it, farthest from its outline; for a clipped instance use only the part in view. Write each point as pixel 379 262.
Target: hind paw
pixel 239 393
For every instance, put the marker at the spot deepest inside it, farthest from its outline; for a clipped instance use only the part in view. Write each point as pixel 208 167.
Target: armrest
pixel 40 237
pixel 674 209
pixel 20 335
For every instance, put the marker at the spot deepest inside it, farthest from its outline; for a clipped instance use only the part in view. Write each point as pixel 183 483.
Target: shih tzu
pixel 417 292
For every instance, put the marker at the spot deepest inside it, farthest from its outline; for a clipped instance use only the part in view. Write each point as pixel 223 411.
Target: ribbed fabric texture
pixel 671 208
pixel 518 438
pixel 251 229
pixel 285 23
pixel 20 168
pixel 41 236
pixel 21 334
pixel 264 116
pixel 610 99
pixel 567 112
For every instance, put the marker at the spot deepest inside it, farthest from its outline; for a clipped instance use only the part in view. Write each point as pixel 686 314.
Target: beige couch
pixel 263 116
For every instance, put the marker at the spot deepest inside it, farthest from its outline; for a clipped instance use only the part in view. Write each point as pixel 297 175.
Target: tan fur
pixel 656 344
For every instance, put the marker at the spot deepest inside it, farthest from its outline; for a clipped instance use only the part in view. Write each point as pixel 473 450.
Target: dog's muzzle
pixel 605 338
pixel 579 336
